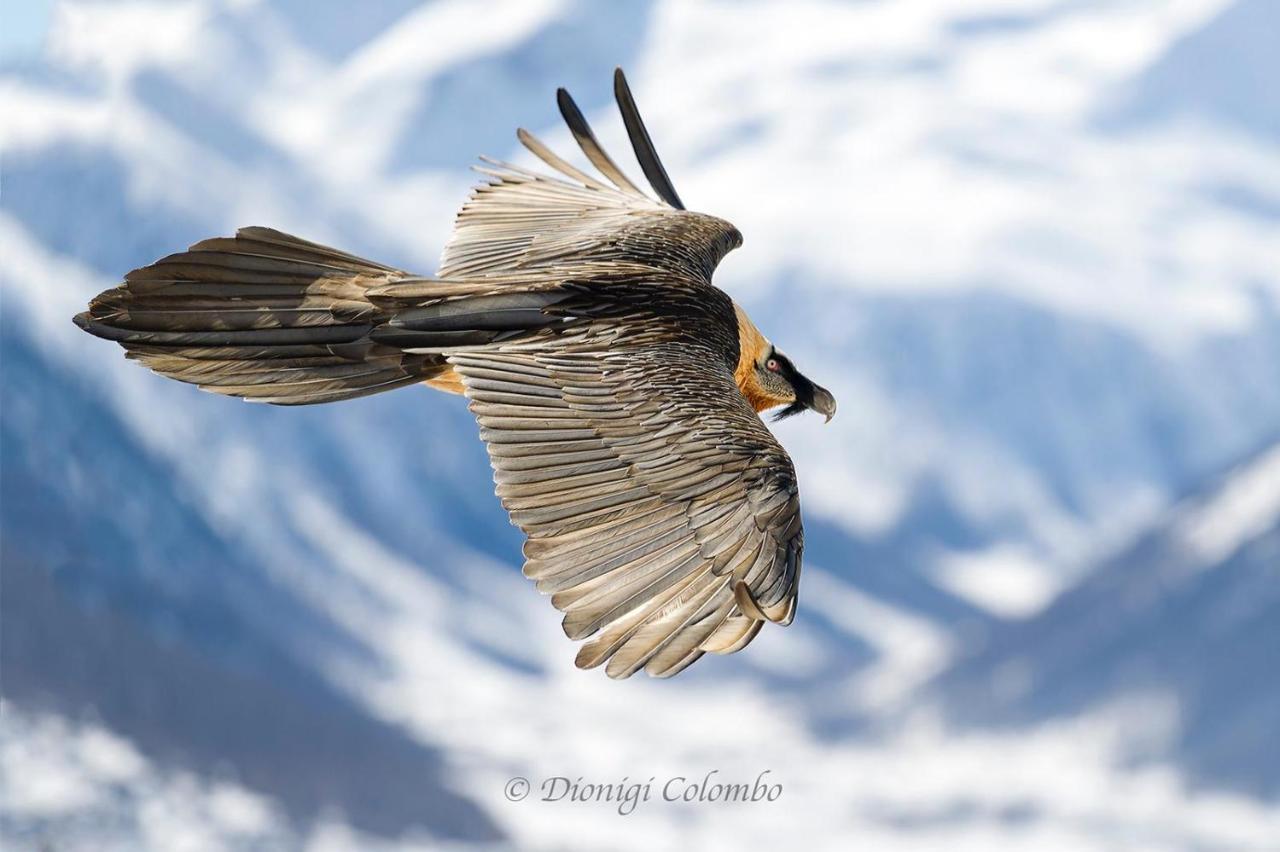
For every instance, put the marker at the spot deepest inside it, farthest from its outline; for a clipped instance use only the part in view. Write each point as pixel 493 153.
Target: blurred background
pixel 1033 247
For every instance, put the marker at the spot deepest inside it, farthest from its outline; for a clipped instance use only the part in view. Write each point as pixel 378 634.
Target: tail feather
pixel 273 318
pixel 273 243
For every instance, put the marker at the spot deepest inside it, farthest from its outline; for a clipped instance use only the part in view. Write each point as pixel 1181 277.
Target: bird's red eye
pixel 773 366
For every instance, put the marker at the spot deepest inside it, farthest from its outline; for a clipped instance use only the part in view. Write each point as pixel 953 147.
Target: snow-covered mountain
pixel 1188 618
pixel 1030 246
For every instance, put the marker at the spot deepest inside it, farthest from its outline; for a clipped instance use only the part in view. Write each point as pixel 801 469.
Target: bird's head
pixel 768 379
pixel 785 385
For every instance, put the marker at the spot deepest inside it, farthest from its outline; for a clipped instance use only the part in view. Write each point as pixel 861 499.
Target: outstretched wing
pixel 524 221
pixel 662 516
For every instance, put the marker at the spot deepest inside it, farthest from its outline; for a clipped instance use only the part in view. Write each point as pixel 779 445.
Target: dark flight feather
pixel 642 144
pixel 581 131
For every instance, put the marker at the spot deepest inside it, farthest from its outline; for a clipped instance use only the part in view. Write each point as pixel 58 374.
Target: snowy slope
pixel 1036 266
pixel 1188 616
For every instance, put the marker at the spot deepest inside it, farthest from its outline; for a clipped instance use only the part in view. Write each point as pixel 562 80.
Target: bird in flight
pixel 617 390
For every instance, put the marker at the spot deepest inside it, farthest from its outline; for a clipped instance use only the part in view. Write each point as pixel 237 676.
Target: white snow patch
pixel 1005 580
pixel 1246 507
pixel 118 39
pixel 80 786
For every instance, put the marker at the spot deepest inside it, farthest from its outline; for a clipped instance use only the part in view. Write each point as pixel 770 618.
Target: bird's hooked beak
pixel 808 396
pixel 823 402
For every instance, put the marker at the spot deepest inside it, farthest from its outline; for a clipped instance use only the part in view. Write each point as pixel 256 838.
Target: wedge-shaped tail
pixel 273 318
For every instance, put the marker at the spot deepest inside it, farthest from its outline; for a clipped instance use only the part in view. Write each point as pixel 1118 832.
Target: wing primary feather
pixel 588 143
pixel 650 163
pixel 542 152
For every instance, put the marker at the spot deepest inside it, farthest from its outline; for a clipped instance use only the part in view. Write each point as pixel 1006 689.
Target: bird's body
pixel 615 386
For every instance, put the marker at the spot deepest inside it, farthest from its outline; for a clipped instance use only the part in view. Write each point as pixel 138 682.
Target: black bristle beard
pixel 790 411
